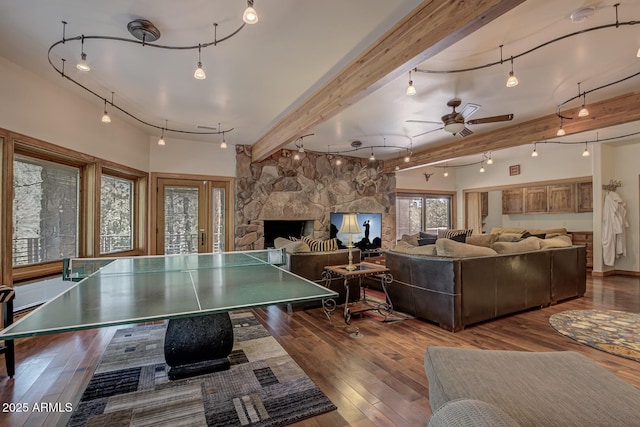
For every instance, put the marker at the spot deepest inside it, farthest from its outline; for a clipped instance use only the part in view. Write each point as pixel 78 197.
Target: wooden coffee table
pixel 362 270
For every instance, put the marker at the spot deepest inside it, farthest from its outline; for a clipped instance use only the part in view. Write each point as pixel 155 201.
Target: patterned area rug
pixel 263 387
pixel 616 332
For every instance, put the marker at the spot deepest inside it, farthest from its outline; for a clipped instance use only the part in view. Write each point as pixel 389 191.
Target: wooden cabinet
pixel 584 238
pixel 585 196
pixel 535 199
pixel 513 201
pixel 562 198
pixel 569 197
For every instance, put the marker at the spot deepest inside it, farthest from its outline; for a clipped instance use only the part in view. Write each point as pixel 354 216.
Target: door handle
pixel 202 237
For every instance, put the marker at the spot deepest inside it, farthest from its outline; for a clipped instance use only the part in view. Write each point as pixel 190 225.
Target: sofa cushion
pixel 485 240
pixel 526 245
pixel 291 246
pixel 561 241
pixel 406 248
pixel 508 237
pixel 470 413
pixel 451 248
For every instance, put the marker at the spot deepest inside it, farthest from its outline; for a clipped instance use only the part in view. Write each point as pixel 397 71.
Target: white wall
pixel 40 109
pixel 414 179
pixel 192 157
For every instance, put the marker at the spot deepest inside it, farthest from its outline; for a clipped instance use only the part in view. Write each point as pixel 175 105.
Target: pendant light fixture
pixel 105 116
pixel 250 16
pixel 561 131
pixel 584 112
pixel 489 160
pixel 534 153
pixel 83 65
pixel 372 158
pixel 411 89
pixel 199 73
pixel 512 81
pixel 586 153
pixel 223 144
pixel 446 171
pixel 481 167
pixel 161 140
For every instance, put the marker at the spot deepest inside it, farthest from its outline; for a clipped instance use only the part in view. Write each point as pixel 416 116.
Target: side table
pixel 362 270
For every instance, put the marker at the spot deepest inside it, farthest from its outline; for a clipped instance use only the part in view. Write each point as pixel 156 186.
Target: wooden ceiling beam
pixel 614 111
pixel 429 29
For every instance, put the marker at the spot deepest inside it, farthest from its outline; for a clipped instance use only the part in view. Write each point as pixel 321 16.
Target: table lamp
pixel 350 226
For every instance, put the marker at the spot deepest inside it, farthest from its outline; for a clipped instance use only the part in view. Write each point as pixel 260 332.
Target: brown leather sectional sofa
pixel 456 292
pixel 310 265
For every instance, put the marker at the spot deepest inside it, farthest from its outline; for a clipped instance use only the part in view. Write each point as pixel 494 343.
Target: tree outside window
pixel 116 214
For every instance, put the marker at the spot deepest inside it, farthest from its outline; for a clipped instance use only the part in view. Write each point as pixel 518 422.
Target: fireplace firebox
pixel 286 229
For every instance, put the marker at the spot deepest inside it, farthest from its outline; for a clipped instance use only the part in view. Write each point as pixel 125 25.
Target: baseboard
pixel 616 273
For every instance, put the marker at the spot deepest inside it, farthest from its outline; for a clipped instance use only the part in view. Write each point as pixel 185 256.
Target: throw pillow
pixel 451 248
pixel 528 234
pixel 427 239
pixel 508 237
pixel 448 233
pixel 291 246
pixel 526 245
pixel 412 239
pixel 556 242
pixel 407 248
pixel 485 240
pixel 321 245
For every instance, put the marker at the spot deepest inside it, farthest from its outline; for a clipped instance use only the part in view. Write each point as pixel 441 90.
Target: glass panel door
pixel 192 216
pixel 181 219
pixel 218 219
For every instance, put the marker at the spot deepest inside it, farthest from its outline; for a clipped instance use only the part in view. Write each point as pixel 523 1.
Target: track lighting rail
pixel 615 24
pixel 140 29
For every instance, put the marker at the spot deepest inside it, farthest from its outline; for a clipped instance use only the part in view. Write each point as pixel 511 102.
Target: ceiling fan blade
pixel 493 119
pixel 427 132
pixel 423 121
pixel 468 110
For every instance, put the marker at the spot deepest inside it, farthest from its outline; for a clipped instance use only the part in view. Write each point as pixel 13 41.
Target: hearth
pixel 286 228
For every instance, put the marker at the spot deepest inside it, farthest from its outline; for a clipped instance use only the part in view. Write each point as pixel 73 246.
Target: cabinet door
pixel 535 200
pixel 585 197
pixel 562 198
pixel 513 201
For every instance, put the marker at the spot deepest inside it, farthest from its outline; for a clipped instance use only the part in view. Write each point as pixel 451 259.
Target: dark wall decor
pixel 307 186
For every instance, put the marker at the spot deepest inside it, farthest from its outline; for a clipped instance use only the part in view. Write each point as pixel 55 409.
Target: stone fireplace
pixel 283 188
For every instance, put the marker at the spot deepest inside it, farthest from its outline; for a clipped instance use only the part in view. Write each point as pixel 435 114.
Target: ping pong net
pixel 76 269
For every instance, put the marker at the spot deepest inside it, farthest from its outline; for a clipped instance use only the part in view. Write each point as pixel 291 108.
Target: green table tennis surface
pixel 140 289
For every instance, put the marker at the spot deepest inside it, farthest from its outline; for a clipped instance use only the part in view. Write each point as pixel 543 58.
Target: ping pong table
pixel 195 292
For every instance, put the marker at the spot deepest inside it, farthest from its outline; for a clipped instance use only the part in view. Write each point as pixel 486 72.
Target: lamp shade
pixel 349 224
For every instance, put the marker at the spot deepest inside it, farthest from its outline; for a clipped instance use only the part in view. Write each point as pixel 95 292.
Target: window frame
pixel 91 169
pixel 424 195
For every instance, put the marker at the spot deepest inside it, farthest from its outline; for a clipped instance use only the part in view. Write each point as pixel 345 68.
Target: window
pixel 45 211
pixel 423 212
pixel 116 214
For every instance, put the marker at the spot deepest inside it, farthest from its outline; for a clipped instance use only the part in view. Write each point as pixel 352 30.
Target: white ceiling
pixel 257 76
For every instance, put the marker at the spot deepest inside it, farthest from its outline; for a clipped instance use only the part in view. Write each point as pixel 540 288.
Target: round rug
pixel 616 332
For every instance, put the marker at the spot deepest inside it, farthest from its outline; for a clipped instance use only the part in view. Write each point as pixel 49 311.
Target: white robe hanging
pixel 614 224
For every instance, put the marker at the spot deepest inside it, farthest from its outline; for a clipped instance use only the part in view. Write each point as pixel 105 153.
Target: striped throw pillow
pixel 448 234
pixel 321 245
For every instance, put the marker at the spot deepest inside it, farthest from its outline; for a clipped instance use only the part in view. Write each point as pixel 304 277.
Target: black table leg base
pixel 200 368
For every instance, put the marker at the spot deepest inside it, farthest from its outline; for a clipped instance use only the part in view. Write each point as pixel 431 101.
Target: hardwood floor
pixel 377 379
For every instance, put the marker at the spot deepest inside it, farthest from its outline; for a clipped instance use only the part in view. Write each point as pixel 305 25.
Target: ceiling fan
pixel 455 122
